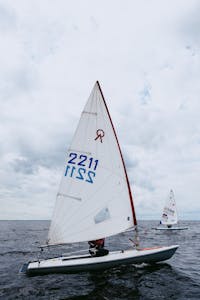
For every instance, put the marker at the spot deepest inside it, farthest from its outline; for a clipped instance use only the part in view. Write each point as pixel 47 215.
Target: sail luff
pixel 126 175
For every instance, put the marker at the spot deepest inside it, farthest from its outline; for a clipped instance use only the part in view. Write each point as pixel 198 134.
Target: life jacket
pixel 98 244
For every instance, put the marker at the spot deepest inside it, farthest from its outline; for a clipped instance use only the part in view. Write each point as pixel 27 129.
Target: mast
pixel 126 175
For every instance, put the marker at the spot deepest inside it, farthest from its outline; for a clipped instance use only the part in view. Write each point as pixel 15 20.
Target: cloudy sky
pixel 146 55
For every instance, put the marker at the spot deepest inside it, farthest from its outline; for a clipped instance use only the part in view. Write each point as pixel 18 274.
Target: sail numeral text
pixel 91 175
pixel 74 156
pixel 78 166
pixel 83 161
pixel 79 173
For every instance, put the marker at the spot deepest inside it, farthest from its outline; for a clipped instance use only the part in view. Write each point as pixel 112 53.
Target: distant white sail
pixel 94 198
pixel 169 216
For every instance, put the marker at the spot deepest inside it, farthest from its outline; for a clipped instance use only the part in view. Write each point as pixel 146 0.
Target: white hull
pixel 171 228
pixel 86 263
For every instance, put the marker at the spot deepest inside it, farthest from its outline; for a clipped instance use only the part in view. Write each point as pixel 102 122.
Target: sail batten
pixel 80 151
pixel 90 113
pixel 96 174
pixel 69 196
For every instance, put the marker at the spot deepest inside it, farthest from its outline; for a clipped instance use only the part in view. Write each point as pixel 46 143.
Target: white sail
pixel 94 198
pixel 169 216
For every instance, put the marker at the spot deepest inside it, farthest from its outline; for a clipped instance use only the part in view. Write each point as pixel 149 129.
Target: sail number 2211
pixel 81 167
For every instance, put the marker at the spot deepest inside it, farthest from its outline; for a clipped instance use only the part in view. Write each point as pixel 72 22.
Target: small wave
pixel 14 252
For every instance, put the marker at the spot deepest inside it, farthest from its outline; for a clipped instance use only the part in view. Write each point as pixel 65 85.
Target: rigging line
pixel 129 189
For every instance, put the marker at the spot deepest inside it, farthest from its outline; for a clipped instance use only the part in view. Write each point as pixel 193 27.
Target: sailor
pixel 97 248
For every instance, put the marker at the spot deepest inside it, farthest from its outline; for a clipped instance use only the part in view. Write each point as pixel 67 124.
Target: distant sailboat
pixel 94 200
pixel 169 216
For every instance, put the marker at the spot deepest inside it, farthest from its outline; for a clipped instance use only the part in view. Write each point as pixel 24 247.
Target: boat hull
pixel 87 263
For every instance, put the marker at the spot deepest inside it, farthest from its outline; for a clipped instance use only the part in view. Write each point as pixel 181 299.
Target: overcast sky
pixel 146 55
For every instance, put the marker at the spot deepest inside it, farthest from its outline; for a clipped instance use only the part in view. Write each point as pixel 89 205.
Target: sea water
pixel 177 278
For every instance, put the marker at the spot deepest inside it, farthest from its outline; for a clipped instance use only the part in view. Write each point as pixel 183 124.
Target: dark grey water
pixel 177 278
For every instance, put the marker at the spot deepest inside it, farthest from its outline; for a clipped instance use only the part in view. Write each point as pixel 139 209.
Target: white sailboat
pixel 94 200
pixel 169 216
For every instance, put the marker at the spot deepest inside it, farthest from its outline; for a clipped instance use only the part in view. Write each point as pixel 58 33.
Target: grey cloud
pixel 190 28
pixel 17 82
pixel 146 184
pixel 94 22
pixel 7 18
pixel 145 94
pixel 130 162
pixel 23 165
pixel 43 40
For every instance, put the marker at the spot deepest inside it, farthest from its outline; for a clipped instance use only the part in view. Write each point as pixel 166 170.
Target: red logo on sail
pixel 100 134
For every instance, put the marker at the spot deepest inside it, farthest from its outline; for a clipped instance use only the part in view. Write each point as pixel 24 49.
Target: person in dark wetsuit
pixel 97 248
